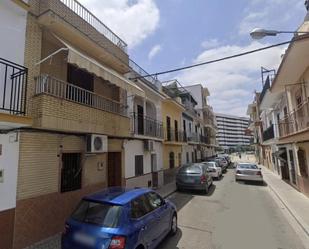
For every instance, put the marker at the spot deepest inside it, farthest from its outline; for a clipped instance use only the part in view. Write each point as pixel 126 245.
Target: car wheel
pixel 174 225
pixel 206 189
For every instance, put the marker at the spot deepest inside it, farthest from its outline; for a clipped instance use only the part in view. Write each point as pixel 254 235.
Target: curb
pixel 290 210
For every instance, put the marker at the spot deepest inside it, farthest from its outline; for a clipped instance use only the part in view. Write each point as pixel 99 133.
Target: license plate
pixel 84 239
pixel 189 180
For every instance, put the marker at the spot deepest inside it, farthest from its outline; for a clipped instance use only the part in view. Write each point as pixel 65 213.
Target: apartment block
pixel 232 131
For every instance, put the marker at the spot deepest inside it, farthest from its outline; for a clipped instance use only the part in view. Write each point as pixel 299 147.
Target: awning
pixel 91 65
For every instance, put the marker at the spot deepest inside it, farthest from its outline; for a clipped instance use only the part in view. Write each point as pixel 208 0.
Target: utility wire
pixel 224 58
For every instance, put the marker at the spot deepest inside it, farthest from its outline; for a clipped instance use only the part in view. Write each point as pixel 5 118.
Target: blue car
pixel 120 218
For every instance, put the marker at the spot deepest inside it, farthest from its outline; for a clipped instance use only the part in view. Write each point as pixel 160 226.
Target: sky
pixel 166 34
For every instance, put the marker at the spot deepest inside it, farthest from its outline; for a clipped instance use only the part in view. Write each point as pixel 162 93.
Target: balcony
pixel 13 84
pixel 147 126
pixel 60 105
pixel 268 133
pixel 172 135
pixel 150 81
pixel 77 25
pixel 296 121
pixel 193 137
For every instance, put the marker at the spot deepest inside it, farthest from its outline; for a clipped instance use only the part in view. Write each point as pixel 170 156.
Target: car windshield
pixel 192 169
pixel 209 164
pixel 247 166
pixel 97 213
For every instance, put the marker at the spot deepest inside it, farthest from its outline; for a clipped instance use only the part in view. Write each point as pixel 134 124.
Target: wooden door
pixel 114 169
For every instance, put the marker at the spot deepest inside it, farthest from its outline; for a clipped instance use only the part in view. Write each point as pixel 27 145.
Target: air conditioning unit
pixel 96 143
pixel 148 145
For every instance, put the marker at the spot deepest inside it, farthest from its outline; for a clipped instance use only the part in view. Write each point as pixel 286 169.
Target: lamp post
pixel 259 33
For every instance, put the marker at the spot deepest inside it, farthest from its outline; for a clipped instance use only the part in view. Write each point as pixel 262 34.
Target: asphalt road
pixel 233 216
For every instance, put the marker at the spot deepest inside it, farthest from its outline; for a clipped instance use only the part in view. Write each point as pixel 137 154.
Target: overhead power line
pixel 224 58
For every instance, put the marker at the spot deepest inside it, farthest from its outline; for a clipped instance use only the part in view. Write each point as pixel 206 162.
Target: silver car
pixel 193 176
pixel 248 172
pixel 214 169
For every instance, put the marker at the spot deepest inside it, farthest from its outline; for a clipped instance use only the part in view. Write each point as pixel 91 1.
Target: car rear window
pixel 209 164
pixel 101 214
pixel 194 169
pixel 247 166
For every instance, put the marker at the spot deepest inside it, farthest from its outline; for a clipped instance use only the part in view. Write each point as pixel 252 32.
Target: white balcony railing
pixel 64 90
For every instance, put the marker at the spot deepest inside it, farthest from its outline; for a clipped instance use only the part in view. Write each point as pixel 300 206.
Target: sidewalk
pixel 167 189
pixel 296 203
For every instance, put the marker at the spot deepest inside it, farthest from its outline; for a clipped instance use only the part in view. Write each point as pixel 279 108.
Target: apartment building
pixel 77 96
pixel 284 116
pixel 232 131
pixel 174 138
pixel 13 81
pixel 144 152
pixel 206 119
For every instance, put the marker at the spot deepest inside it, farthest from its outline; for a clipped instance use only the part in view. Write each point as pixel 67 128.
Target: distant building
pixel 232 131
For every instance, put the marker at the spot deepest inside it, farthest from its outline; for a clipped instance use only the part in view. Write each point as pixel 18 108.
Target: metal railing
pixel 172 135
pixel 146 126
pixel 268 133
pixel 150 80
pixel 13 87
pixel 86 15
pixel 193 137
pixel 295 121
pixel 70 92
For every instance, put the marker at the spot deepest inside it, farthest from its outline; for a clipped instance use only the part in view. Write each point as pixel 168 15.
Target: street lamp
pixel 259 33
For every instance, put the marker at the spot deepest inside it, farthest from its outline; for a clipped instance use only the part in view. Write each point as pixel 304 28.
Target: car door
pixel 144 220
pixel 162 214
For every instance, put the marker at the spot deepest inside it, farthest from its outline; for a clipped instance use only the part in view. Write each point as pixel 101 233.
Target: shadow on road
pixel 180 199
pixel 171 242
pixel 251 183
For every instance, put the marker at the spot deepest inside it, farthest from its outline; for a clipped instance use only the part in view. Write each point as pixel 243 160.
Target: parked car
pixel 223 163
pixel 120 218
pixel 194 177
pixel 214 169
pixel 248 172
pixel 227 157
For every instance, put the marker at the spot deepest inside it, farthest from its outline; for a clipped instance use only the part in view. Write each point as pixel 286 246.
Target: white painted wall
pixel 185 149
pixel 9 163
pixel 136 147
pixel 196 92
pixel 12 30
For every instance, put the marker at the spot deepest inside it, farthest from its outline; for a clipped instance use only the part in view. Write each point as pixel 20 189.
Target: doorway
pixel 293 172
pixel 140 120
pixel 155 180
pixel 114 169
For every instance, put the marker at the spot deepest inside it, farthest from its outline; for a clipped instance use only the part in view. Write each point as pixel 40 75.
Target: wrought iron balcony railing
pixel 13 86
pixel 64 90
pixel 151 81
pixel 268 133
pixel 146 126
pixel 172 135
pixel 295 121
pixel 193 137
pixel 86 15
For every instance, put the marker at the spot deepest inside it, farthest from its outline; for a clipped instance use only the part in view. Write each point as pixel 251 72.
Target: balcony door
pixel 168 128
pixel 176 130
pixel 140 120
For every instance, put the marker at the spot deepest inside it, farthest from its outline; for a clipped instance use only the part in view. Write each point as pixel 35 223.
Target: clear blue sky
pixel 165 34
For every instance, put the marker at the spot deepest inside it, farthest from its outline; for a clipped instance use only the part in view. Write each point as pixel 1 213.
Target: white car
pixel 213 169
pixel 248 172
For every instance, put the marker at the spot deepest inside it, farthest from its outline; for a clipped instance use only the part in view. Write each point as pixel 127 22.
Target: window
pixel 176 129
pixel 71 172
pixel 187 157
pixel 168 128
pixel 179 159
pixel 139 165
pixel 155 200
pixel 140 207
pixel 97 213
pixel 172 160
